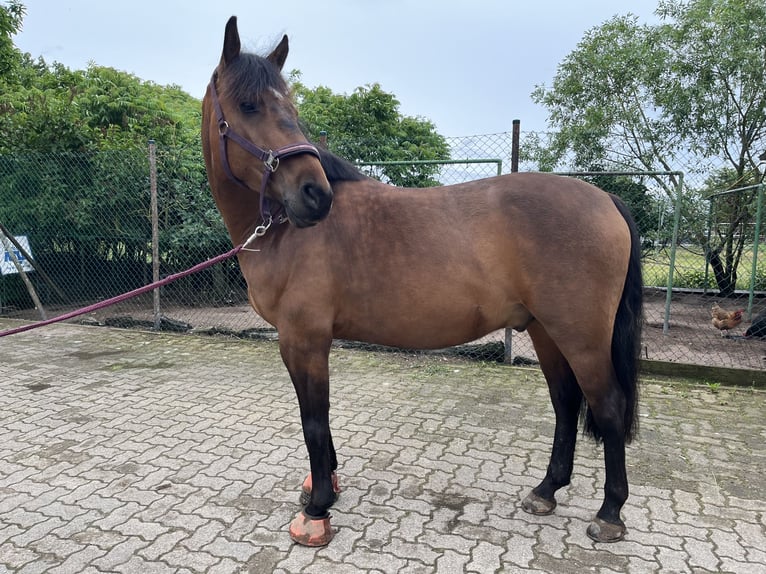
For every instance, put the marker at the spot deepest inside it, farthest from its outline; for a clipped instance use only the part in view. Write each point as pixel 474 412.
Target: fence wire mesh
pixel 85 220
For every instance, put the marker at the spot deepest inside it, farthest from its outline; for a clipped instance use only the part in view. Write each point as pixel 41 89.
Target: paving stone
pixel 79 561
pixel 14 557
pixel 120 554
pixel 485 557
pixel 36 532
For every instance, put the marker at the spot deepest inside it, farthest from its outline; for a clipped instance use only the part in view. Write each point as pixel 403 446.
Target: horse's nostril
pixel 315 196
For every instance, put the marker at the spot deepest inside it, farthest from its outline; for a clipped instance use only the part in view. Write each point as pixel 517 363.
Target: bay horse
pixel 332 253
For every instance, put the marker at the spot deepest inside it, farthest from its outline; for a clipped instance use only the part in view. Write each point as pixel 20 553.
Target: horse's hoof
pixel 602 531
pixel 308 531
pixel 537 505
pixel 307 486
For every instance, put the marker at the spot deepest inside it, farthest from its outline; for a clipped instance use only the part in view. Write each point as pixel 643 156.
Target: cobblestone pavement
pixel 139 452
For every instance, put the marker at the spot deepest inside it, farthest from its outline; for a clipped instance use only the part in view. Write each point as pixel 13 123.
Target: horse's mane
pixel 248 75
pixel 337 169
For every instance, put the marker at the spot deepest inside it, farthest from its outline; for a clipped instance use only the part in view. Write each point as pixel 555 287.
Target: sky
pixel 468 66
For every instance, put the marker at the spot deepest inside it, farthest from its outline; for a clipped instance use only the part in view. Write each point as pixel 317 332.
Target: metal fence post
pixel 673 247
pixel 709 235
pixel 155 233
pixel 756 241
pixel 508 348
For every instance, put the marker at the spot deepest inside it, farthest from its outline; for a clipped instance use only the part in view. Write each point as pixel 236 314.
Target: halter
pixel 269 158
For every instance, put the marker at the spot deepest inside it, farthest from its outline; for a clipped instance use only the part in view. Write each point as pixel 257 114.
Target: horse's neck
pixel 240 210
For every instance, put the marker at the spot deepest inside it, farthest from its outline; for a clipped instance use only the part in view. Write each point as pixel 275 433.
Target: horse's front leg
pixel 307 363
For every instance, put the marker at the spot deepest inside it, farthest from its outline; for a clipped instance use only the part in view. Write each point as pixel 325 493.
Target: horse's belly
pixel 430 325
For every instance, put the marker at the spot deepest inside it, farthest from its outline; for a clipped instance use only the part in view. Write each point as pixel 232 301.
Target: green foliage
pixel 366 126
pixel 713 95
pixel 188 215
pixel 732 208
pixel 83 212
pixel 760 279
pixel 690 279
pixel 11 17
pixel 88 213
pixel 598 101
pixel 51 108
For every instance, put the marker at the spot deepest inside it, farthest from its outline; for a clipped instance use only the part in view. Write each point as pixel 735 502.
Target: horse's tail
pixel 626 338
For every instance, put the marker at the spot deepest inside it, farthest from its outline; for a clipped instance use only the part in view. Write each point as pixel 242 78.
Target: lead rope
pixel 135 292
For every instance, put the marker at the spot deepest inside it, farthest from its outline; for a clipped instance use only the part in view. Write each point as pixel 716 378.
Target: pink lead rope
pixel 128 295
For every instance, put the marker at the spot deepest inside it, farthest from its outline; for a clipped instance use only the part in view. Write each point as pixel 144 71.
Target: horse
pixel 328 252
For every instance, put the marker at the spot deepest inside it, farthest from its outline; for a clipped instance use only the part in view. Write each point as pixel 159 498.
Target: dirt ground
pixel 690 339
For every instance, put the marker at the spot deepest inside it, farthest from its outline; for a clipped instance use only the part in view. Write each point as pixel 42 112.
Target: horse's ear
pixel 279 55
pixel 231 44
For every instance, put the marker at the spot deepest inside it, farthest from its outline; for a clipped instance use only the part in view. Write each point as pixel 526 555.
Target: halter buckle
pixel 223 127
pixel 271 162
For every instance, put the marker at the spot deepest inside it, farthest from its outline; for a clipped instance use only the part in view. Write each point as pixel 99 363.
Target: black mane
pixel 250 75
pixel 337 169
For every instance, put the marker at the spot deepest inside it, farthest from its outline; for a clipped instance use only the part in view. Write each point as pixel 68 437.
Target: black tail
pixel 626 338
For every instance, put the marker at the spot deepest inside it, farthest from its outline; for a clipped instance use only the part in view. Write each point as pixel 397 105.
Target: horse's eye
pixel 248 108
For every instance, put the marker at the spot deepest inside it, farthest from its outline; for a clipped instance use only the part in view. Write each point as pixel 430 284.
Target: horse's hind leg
pixel 605 421
pixel 607 411
pixel 567 400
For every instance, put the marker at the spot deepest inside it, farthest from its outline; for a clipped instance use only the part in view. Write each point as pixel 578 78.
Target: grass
pixel 690 269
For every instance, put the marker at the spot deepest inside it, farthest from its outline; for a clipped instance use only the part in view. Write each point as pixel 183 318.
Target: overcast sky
pixel 468 66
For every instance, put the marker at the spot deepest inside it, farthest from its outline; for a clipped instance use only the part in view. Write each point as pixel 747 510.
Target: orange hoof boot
pixel 307 486
pixel 308 531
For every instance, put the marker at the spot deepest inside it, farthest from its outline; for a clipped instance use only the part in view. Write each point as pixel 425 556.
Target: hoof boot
pixel 308 531
pixel 307 485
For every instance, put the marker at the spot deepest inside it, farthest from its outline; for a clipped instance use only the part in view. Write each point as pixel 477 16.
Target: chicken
pixel 725 320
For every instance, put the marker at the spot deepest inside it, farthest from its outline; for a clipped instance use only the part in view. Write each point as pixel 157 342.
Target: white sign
pixel 6 262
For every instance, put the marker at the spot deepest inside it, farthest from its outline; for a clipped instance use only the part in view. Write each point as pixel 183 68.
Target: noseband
pixel 269 158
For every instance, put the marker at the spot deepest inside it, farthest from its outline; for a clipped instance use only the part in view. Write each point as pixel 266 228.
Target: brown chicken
pixel 725 320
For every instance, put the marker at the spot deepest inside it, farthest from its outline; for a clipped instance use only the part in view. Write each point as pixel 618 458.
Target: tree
pixel 668 97
pixel 367 126
pixel 11 17
pixel 732 207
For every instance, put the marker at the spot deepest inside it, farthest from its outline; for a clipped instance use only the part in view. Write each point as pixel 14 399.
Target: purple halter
pixel 269 158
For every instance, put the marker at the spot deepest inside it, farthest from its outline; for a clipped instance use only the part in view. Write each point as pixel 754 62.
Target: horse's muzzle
pixel 311 205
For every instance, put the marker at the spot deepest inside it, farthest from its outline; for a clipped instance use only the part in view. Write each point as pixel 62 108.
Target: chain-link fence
pixel 85 221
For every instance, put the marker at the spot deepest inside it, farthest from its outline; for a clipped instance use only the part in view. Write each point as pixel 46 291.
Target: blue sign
pixel 6 259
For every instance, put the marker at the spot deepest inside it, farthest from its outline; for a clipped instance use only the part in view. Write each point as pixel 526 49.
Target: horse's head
pixel 251 136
